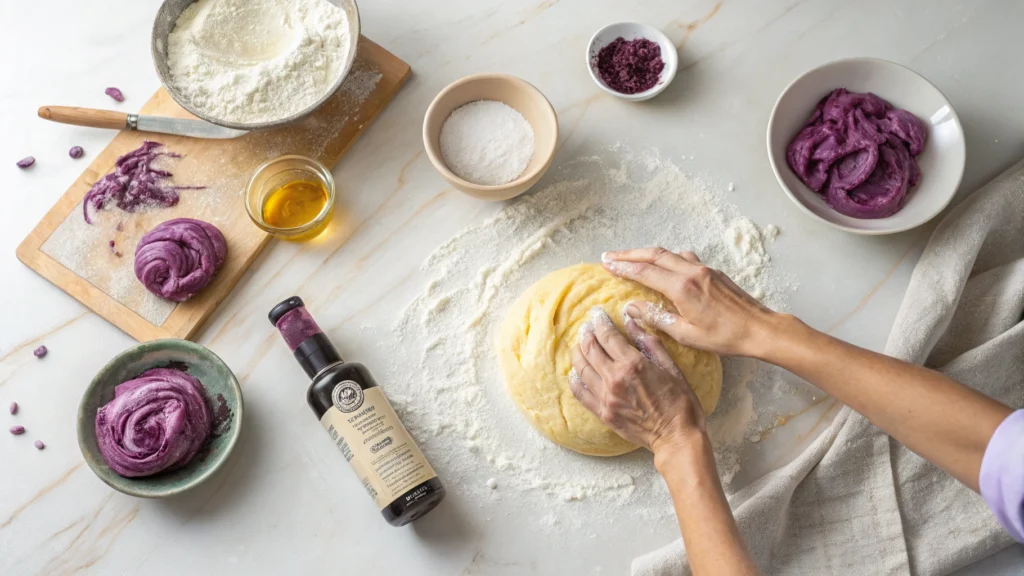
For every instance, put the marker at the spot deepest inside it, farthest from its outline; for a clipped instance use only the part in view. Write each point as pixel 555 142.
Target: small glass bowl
pixel 274 174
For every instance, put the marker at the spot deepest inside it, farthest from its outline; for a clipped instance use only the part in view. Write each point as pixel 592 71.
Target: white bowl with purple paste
pixel 631 60
pixel 867 146
pixel 160 418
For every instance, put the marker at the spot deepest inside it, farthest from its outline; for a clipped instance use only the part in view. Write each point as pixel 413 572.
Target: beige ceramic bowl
pixel 514 92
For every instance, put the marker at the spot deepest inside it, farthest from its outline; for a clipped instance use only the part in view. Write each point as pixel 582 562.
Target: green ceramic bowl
pixel 204 365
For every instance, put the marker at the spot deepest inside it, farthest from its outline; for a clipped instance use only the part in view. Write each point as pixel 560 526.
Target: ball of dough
pixel 179 258
pixel 534 353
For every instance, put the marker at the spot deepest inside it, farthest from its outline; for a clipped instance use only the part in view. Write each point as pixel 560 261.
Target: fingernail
pixel 631 310
pixel 585 328
pixel 627 269
pixel 605 258
pixel 599 316
pixel 574 377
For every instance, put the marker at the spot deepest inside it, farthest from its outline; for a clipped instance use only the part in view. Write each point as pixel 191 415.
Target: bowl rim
pixel 165 80
pixel 796 200
pixel 214 466
pixel 671 62
pixel 434 148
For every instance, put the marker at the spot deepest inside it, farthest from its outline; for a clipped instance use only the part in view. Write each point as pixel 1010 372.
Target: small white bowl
pixel 631 31
pixel 942 161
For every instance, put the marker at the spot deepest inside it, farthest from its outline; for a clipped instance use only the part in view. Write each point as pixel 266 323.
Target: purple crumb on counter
pixel 40 352
pixel 39 444
pixel 115 94
pixel 630 66
pixel 76 152
pixel 119 227
pixel 14 408
pixel 17 430
pixel 26 161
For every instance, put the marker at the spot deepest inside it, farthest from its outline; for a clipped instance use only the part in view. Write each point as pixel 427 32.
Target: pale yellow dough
pixel 534 347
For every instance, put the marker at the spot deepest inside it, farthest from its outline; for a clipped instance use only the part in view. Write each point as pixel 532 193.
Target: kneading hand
pixel 714 313
pixel 638 392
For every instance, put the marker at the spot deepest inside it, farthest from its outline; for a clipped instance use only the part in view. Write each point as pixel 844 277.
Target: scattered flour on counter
pixel 448 389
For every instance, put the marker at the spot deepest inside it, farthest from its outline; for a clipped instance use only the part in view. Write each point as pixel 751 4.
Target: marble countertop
pixel 287 503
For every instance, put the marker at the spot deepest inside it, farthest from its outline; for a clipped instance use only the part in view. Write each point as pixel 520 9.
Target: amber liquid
pixel 296 204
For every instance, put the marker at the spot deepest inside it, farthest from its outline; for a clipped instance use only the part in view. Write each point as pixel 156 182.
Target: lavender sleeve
pixel 1002 475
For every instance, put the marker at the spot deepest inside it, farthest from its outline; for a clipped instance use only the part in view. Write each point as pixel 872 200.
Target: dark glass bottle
pixel 354 410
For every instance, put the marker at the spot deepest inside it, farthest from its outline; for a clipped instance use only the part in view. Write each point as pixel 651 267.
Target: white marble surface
pixel 287 503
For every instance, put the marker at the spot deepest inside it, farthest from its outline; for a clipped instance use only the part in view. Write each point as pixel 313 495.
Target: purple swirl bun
pixel 156 422
pixel 179 257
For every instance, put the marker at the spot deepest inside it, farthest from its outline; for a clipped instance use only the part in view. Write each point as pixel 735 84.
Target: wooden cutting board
pixel 79 258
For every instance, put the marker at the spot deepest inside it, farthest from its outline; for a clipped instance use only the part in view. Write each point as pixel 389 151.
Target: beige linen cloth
pixel 856 501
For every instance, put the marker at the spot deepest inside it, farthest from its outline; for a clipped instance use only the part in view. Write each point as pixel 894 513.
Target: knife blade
pixel 122 121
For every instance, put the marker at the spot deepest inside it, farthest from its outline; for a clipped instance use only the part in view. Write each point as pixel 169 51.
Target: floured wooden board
pixel 78 258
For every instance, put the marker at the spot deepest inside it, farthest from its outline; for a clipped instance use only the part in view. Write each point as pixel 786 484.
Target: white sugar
pixel 486 142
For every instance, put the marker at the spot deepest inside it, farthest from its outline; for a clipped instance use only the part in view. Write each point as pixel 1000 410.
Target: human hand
pixel 638 392
pixel 714 313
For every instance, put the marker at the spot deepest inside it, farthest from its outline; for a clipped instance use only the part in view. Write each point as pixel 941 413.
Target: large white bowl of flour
pixel 254 64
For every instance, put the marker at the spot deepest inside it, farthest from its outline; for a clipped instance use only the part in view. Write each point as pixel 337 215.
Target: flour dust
pixel 449 390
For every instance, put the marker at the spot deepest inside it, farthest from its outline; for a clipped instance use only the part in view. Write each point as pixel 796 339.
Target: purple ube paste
pixel 115 94
pixel 858 151
pixel 630 66
pixel 17 430
pixel 179 257
pixel 135 183
pixel 296 326
pixel 39 444
pixel 40 352
pixel 156 422
pixel 26 161
pixel 76 152
pixel 14 408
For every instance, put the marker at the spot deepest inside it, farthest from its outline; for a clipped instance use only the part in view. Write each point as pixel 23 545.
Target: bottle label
pixel 375 443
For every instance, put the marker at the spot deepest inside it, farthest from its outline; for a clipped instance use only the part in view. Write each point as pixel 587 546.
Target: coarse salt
pixel 486 142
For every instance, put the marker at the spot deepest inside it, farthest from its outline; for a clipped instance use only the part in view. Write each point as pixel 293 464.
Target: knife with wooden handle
pixel 123 121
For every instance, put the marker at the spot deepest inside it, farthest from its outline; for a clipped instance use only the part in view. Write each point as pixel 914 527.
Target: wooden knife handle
pixel 85 117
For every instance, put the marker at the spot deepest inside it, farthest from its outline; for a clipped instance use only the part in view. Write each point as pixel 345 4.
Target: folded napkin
pixel 856 501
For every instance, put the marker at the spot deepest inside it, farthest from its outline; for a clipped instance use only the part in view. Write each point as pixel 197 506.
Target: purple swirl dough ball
pixel 179 257
pixel 155 423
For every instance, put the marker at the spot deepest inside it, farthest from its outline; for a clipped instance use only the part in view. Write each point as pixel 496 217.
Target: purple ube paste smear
pixel 26 161
pixel 156 422
pixel 17 430
pixel 630 66
pixel 135 183
pixel 296 326
pixel 115 94
pixel 858 151
pixel 179 257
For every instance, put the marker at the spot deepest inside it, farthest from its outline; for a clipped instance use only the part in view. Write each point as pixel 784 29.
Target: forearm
pixel 944 421
pixel 712 539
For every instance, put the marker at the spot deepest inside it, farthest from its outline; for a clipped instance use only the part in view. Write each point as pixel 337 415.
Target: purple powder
pixel 221 417
pixel 17 430
pixel 76 152
pixel 115 94
pixel 135 183
pixel 39 444
pixel 40 352
pixel 14 408
pixel 630 66
pixel 296 326
pixel 26 161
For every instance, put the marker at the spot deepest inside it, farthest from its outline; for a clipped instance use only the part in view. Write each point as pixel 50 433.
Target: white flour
pixel 252 61
pixel 486 142
pixel 449 391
